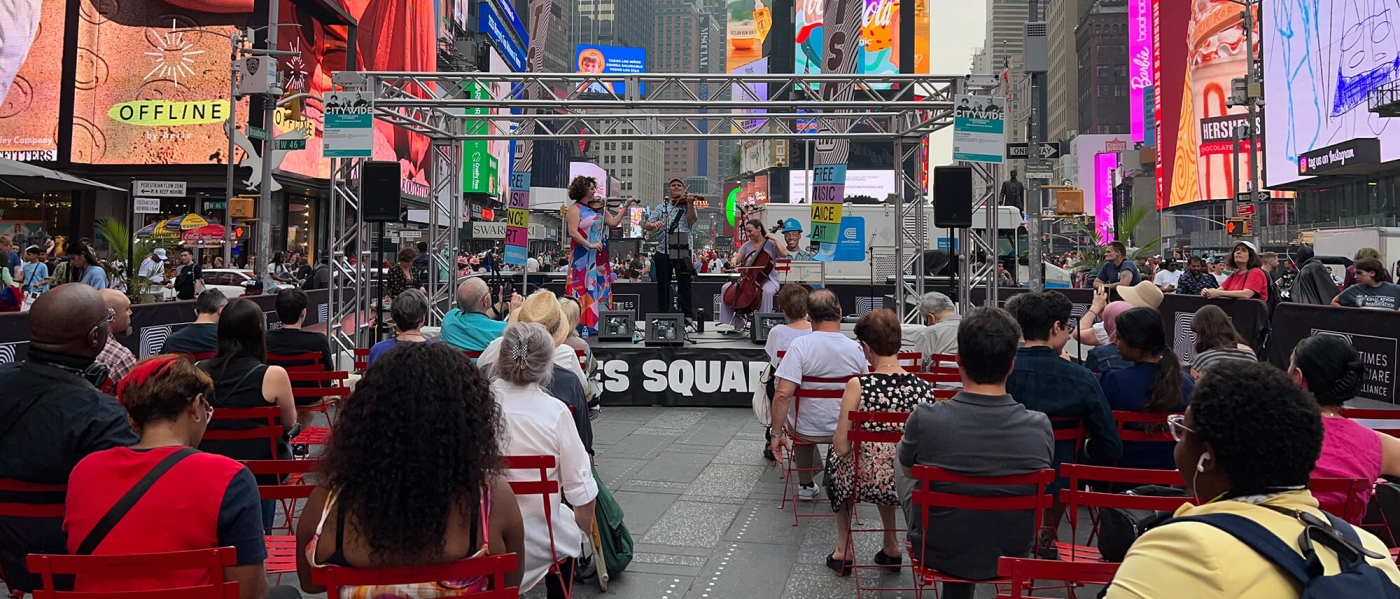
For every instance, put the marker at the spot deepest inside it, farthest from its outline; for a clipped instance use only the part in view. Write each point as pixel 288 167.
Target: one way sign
pixel 1048 150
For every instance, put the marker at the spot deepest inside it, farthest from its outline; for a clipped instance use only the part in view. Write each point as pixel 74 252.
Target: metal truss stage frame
pixel 900 109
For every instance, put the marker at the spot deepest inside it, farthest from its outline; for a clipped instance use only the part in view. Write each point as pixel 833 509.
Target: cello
pixel 746 294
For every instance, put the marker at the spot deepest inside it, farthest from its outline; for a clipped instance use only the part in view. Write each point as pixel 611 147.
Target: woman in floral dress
pixel 888 388
pixel 590 272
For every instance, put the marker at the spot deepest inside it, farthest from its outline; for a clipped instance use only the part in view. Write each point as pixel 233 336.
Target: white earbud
pixel 1201 463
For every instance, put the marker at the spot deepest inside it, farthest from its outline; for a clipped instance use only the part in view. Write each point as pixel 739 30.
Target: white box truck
pixel 1345 242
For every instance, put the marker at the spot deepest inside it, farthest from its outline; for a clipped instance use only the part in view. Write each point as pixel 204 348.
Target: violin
pixel 746 294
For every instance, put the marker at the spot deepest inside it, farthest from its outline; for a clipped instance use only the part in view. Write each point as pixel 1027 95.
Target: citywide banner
pixel 1373 333
pixel 638 375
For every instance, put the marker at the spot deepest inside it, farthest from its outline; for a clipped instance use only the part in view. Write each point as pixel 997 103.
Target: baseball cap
pixel 160 253
pixel 1248 244
pixel 791 224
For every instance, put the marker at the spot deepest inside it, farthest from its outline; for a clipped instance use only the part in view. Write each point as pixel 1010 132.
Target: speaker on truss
pixel 379 191
pixel 952 197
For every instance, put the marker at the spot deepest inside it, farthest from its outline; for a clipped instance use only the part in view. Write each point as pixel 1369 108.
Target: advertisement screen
pixel 879 37
pixel 31 64
pixel 588 169
pixel 1139 63
pixel 750 22
pixel 878 184
pixel 1200 50
pixel 165 101
pixel 1320 64
pixel 611 59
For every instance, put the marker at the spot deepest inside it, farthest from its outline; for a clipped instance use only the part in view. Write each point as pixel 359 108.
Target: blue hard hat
pixel 791 224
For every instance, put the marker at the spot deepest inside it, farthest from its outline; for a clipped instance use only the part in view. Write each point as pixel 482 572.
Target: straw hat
pixel 1143 295
pixel 542 308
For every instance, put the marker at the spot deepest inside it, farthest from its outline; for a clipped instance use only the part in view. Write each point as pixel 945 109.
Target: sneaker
pixel 808 493
pixel 584 569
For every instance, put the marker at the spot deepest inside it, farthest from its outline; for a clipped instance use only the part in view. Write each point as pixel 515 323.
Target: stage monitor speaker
pixel 952 197
pixel 763 322
pixel 665 329
pixel 379 191
pixel 616 325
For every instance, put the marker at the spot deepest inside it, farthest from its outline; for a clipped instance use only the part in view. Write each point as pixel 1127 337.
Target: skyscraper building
pixel 611 22
pixel 677 48
pixel 1006 22
pixel 1062 82
pixel 1102 45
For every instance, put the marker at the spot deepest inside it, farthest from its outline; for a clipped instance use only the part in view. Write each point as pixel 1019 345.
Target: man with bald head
pixel 54 415
pixel 117 357
pixel 476 322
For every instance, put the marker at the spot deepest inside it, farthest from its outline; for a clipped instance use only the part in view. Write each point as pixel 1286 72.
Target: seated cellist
pixel 754 270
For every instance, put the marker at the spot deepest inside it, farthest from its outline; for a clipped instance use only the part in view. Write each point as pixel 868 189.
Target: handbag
pixel 762 404
pixel 11 297
pixel 1119 528
pixel 616 539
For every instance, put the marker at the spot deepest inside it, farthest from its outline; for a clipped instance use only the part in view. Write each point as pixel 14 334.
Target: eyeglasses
pixel 111 315
pixel 1176 423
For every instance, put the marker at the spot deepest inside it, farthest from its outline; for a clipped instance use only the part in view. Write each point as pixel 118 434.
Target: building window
pixel 1103 70
pixel 1101 90
pixel 1120 70
pixel 1120 90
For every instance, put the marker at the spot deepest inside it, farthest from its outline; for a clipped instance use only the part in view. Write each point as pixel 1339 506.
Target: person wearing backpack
pixel 1246 447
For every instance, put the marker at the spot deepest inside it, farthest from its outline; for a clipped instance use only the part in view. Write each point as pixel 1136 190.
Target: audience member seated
pixel 436 497
pixel 1246 447
pixel 118 359
pixel 1329 368
pixel 792 301
pixel 410 312
pixel 537 424
pixel 824 353
pixel 476 321
pixel 201 336
pixel 1047 383
pixel 941 316
pixel 1093 328
pixel 592 391
pixel 1154 384
pixel 566 381
pixel 1370 290
pixel 242 379
pixel 1217 341
pixel 1105 357
pixel 889 388
pixel 291 339
pixel 980 432
pixel 54 416
pixel 201 501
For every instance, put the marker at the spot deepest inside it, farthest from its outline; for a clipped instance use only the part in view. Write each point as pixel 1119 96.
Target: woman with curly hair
pixel 412 477
pixel 538 424
pixel 590 273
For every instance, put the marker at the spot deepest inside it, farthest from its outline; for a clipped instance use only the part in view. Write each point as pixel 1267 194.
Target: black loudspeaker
pixel 379 191
pixel 952 197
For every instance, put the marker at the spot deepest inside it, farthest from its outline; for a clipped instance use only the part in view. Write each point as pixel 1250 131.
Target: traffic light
pixel 1237 227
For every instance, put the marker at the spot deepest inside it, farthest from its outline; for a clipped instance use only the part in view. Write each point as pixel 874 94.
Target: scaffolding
pixel 900 109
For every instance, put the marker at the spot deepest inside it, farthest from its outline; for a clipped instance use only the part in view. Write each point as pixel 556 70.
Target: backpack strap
pixel 127 501
pixel 1263 542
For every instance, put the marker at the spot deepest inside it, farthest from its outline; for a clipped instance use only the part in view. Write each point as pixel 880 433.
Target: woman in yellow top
pixel 1246 447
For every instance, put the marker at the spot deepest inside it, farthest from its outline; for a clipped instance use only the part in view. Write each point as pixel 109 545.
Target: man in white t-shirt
pixel 1167 278
pixel 532 265
pixel 153 268
pixel 825 353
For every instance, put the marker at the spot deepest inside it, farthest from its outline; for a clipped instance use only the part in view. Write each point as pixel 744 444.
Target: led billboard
pixel 879 37
pixel 31 64
pixel 1320 64
pixel 591 59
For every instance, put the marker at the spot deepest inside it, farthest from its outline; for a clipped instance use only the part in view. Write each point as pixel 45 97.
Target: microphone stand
pixel 872 273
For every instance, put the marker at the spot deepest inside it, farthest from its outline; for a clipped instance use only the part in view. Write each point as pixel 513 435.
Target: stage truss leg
pixel 913 229
pixel 349 238
pixel 970 276
pixel 445 175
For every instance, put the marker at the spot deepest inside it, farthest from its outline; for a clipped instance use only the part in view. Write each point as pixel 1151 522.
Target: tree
pixel 116 234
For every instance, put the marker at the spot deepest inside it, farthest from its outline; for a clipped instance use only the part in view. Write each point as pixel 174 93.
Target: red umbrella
pixel 205 234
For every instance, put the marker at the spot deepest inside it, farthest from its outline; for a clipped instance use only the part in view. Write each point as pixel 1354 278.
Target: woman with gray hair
pixel 538 424
pixel 410 311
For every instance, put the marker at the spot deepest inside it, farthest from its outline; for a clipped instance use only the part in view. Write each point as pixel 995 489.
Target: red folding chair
pixel 330 389
pixel 472 355
pixel 858 435
pixel 213 561
pixel 282 549
pixel 790 469
pixel 944 379
pixel 1024 572
pixel 361 355
pixel 1381 420
pixel 493 566
pixel 46 502
pixel 544 487
pixel 941 364
pixel 271 429
pixel 309 361
pixel 1131 425
pixel 1074 497
pixel 923 498
pixel 911 361
pixel 1069 428
pixel 1350 508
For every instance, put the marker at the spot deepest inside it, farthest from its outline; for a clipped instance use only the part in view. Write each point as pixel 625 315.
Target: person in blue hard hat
pixel 792 235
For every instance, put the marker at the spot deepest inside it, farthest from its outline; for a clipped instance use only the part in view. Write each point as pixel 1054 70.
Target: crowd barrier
pixel 1372 332
pixel 152 324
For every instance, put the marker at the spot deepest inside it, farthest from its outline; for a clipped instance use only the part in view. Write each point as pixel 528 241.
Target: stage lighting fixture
pixel 762 323
pixel 665 329
pixel 616 325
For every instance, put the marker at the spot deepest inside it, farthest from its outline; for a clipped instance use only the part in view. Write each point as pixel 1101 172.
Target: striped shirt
pixel 1225 354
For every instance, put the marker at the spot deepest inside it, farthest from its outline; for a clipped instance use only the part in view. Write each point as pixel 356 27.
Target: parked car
pixel 233 282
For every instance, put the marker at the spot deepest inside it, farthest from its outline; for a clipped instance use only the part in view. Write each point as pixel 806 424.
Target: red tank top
pixel 179 513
